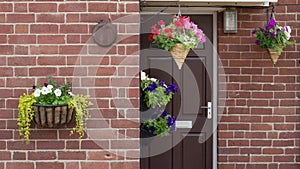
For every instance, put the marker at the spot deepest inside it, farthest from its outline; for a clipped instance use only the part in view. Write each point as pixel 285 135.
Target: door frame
pixel 203 10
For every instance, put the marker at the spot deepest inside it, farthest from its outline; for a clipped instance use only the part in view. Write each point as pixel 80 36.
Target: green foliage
pixel 273 36
pixel 155 92
pixel 161 125
pixel 25 115
pixel 180 30
pixel 51 94
pixel 81 104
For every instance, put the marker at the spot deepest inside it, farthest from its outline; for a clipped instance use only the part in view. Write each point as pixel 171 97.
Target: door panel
pixel 190 148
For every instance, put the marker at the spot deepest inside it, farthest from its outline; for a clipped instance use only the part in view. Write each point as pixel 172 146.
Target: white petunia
pixel 37 93
pixel 44 90
pixel 50 87
pixel 143 76
pixel 71 94
pixel 153 79
pixel 57 92
pixel 288 29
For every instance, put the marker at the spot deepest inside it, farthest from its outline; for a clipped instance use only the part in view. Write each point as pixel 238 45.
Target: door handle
pixel 208 107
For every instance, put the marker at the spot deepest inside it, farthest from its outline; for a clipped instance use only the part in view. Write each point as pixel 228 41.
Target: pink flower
pixel 161 22
pixel 203 39
pixel 154 30
pixel 178 24
pixel 170 36
pixel 199 32
pixel 174 16
pixel 168 30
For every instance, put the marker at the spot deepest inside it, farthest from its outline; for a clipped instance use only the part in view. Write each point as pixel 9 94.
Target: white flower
pixel 143 76
pixel 153 79
pixel 288 29
pixel 71 94
pixel 44 90
pixel 280 27
pixel 57 92
pixel 37 93
pixel 50 87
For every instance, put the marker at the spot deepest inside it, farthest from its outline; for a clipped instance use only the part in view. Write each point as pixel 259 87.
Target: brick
pixel 281 143
pixel 124 165
pixel 51 39
pixel 6 49
pixel 19 156
pixel 21 39
pixel 87 144
pixel 21 61
pixel 51 60
pixel 20 18
pixel 289 166
pixel 74 28
pixel 72 18
pixel 72 165
pixel 72 49
pixel 233 143
pixel 261 158
pixel 23 165
pixel 55 145
pixel 43 49
pixel 16 82
pixel 6 7
pixel 273 151
pixel 96 60
pixel 6 134
pixel 49 165
pixel 261 111
pixel 260 142
pixel 43 28
pixel 50 18
pixel 261 127
pixel 125 144
pixel 5 155
pixel 6 29
pixel 284 111
pixel 20 145
pixel 94 165
pixel 49 71
pixel 6 72
pixel 78 7
pixel 21 50
pixel 20 7
pixel 284 158
pixel 43 7
pixel 255 135
pixel 250 150
pixel 102 155
pixel 71 155
pixel 238 158
pixel 102 7
pixel 39 155
pixel 22 28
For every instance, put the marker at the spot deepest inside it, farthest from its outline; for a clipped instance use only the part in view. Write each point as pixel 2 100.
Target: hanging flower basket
pixel 179 54
pixel 177 37
pixel 274 55
pixel 274 38
pixel 52 116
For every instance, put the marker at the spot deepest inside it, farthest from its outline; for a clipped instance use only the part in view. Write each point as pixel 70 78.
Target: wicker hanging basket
pixel 274 55
pixel 179 54
pixel 52 116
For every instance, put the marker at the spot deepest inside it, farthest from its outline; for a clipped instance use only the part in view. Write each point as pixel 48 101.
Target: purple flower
pixel 272 35
pixel 172 88
pixel 173 127
pixel 152 128
pixel 171 120
pixel 272 22
pixel 164 114
pixel 162 83
pixel 33 87
pixel 266 32
pixel 257 42
pixel 151 87
pixel 254 31
pixel 261 29
pixel 45 84
pixel 269 26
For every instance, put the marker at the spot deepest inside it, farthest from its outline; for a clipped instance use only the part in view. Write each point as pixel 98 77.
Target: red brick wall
pixel 259 127
pixel 40 38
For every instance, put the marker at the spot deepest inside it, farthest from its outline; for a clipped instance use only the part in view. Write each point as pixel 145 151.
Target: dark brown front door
pixel 190 146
